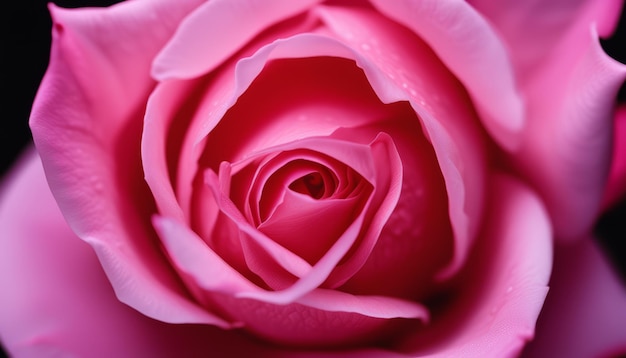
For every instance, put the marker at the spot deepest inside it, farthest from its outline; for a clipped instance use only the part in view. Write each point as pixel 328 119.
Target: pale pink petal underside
pixel 56 299
pixel 532 29
pixel 216 30
pixel 467 44
pixel 86 124
pixel 566 151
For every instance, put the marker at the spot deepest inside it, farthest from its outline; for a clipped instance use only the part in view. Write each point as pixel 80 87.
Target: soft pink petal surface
pixel 570 86
pixel 501 296
pixel 585 311
pixel 474 53
pixel 56 299
pixel 311 319
pixel 211 273
pixel 216 30
pixel 531 29
pixel 566 149
pixel 86 123
pixel 163 109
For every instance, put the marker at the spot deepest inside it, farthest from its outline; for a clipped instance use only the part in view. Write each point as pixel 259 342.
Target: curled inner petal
pixel 312 184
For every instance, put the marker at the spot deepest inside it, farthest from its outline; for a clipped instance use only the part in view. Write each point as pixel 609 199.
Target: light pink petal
pixel 310 278
pixel 110 53
pixel 353 154
pixel 216 30
pixel 209 272
pixel 317 330
pixel 196 261
pixel 371 306
pixel 585 311
pixel 212 274
pixel 467 44
pixel 318 223
pixel 249 235
pixel 57 301
pixel 86 124
pixel 532 29
pixel 157 151
pixel 494 312
pixel 287 170
pixel 616 187
pixel 249 68
pixel 566 150
pixel 570 85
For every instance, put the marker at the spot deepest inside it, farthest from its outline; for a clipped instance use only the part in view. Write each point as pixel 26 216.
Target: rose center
pixel 311 184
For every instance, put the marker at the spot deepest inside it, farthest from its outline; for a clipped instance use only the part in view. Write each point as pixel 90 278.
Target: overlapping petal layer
pixel 86 124
pixel 493 312
pixel 570 86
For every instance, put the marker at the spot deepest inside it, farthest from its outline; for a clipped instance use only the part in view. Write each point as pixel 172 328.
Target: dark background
pixel 24 53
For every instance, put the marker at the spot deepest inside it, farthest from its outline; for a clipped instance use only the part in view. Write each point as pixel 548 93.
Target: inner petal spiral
pixel 323 191
pixel 311 184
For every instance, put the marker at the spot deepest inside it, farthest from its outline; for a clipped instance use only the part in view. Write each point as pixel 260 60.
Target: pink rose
pixel 297 178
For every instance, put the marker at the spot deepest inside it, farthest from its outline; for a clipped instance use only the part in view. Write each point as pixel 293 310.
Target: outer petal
pixel 86 123
pixel 532 28
pixel 468 46
pixel 570 85
pixel 506 287
pixel 216 30
pixel 566 149
pixel 56 300
pixel 585 312
pixel 312 320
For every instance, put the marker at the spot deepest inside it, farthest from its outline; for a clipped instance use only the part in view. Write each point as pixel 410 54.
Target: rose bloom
pixel 303 178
